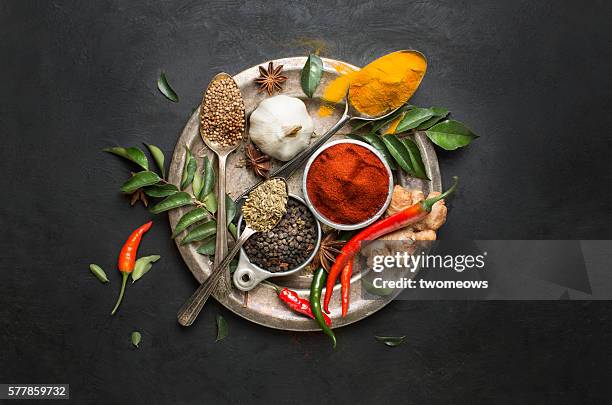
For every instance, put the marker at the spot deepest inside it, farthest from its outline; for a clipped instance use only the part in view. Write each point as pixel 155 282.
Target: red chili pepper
pixel 293 301
pixel 127 258
pixel 392 223
pixel 345 281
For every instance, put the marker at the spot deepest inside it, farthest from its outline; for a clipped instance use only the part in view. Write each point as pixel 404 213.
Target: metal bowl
pixel 248 275
pixel 320 216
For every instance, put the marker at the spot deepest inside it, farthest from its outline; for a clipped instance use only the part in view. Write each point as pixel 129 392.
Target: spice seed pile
pixel 222 113
pixel 266 205
pixel 286 246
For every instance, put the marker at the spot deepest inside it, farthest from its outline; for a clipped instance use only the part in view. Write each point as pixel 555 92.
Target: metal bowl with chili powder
pixel 348 184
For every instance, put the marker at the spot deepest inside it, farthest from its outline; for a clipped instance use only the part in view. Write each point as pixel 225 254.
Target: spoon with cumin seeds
pixel 222 125
pixel 264 207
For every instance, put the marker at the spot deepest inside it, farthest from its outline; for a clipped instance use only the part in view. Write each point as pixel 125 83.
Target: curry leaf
pixel 232 229
pixel 230 208
pixel 139 180
pixel 166 89
pixel 98 272
pixel 143 265
pixel 450 135
pixel 190 218
pixel 379 145
pixel 209 178
pixel 158 156
pixel 136 338
pixel 210 202
pixel 160 190
pixel 200 232
pixel 196 184
pixel 188 169
pixel 399 152
pixel 222 328
pixel 439 114
pixel 415 158
pixel 207 247
pixel 311 74
pixel 356 137
pixel 174 201
pixel 413 118
pixel 391 341
pixel 133 154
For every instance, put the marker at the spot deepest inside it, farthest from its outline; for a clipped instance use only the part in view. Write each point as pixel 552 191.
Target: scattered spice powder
pixel 222 112
pixel 347 183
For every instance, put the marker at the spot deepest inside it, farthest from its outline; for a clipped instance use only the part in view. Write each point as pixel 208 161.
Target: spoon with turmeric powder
pixel 372 93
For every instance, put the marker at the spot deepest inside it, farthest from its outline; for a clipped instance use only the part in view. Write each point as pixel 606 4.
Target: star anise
pixel 257 161
pixel 271 79
pixel 139 195
pixel 329 249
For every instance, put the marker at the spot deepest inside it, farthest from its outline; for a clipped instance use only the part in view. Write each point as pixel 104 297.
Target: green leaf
pixel 196 184
pixel 143 265
pixel 413 118
pixel 391 341
pixel 207 247
pixel 188 169
pixel 158 156
pixel 232 229
pixel 98 272
pixel 383 122
pixel 188 219
pixel 379 145
pixel 357 124
pixel 356 137
pixel 139 180
pixel 230 208
pixel 174 201
pixel 136 338
pixel 311 74
pixel 440 114
pixel 166 89
pixel 200 232
pixel 415 158
pixel 450 135
pixel 132 154
pixel 222 328
pixel 210 202
pixel 160 190
pixel 399 152
pixel 209 178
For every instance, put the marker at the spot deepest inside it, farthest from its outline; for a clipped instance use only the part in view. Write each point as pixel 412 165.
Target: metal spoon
pixel 192 307
pixel 222 153
pixel 350 113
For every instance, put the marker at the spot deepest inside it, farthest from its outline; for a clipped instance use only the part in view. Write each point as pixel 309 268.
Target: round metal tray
pixel 261 305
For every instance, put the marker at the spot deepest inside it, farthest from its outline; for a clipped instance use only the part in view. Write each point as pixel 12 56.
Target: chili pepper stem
pixel 125 277
pixel 428 204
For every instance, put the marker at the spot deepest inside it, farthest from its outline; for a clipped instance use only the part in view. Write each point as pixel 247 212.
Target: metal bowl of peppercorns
pixel 286 249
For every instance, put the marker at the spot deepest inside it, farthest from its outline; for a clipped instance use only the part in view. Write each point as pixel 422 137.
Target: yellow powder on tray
pixel 337 89
pixel 382 86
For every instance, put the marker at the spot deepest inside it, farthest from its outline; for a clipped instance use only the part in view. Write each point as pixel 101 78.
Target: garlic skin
pixel 281 127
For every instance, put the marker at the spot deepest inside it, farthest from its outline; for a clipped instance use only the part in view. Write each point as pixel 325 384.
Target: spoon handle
pixel 294 164
pixel 221 238
pixel 192 307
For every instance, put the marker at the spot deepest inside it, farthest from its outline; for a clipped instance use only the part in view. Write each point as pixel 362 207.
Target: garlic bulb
pixel 281 127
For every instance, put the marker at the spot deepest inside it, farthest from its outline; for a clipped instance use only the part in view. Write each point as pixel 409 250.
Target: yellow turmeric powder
pixel 380 87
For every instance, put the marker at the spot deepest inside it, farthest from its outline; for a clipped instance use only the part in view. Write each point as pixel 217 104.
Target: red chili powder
pixel 347 183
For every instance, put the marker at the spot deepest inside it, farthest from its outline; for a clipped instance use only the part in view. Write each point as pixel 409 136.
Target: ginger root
pixel 403 198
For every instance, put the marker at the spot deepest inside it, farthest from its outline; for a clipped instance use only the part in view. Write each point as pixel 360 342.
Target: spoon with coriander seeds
pixel 264 207
pixel 222 124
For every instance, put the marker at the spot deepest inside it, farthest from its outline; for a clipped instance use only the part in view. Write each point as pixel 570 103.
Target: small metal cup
pixel 248 275
pixel 325 220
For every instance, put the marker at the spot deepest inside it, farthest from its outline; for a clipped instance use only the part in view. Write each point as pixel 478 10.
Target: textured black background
pixel 532 78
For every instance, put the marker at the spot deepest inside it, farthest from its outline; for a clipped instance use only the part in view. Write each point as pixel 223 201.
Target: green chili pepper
pixel 318 282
